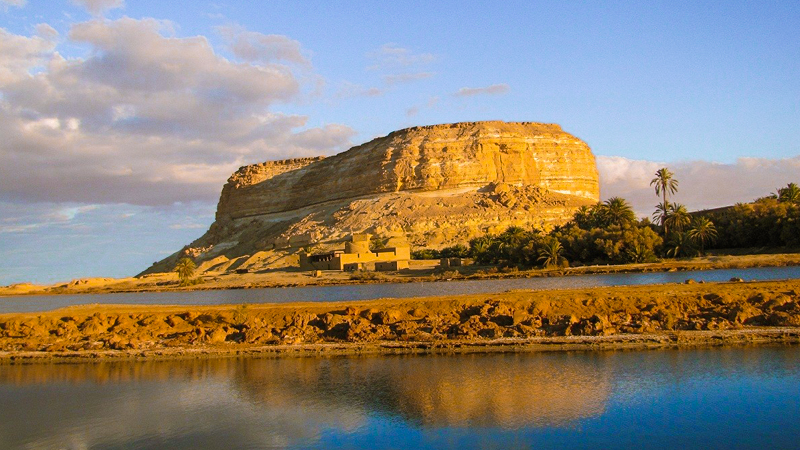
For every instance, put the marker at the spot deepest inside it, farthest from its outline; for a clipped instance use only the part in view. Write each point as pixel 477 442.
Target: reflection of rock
pixel 507 391
pixel 501 390
pixel 515 391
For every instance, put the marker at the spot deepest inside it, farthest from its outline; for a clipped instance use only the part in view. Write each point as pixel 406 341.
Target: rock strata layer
pixel 436 185
pixel 430 158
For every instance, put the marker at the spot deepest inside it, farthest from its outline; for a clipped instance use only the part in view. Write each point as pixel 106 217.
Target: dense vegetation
pixel 772 221
pixel 609 233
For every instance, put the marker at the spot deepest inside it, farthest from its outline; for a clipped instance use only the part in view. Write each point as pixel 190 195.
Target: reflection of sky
pixel 184 415
pixel 717 398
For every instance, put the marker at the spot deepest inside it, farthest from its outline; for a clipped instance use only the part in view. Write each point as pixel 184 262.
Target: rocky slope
pixel 436 185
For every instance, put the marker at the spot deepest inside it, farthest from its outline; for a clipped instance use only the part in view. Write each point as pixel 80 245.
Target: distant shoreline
pixel 424 272
pixel 607 318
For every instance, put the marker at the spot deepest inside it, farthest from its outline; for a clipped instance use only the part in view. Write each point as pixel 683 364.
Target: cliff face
pixel 437 185
pixel 427 158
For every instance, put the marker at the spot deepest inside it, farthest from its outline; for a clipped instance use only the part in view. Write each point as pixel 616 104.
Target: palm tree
pixel 789 194
pixel 639 253
pixel 661 214
pixel 664 184
pixel 550 253
pixel 678 217
pixel 185 269
pixel 618 212
pixel 702 232
pixel 588 217
pixel 480 247
pixel 511 242
pixel 680 245
pixel 582 217
pixel 513 233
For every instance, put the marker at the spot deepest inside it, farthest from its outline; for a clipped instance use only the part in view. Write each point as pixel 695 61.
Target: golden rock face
pixel 437 157
pixel 435 186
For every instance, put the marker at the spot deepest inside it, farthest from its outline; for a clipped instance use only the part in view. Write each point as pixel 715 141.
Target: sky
pixel 120 120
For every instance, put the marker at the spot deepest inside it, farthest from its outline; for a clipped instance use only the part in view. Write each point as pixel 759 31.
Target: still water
pixel 387 290
pixel 711 398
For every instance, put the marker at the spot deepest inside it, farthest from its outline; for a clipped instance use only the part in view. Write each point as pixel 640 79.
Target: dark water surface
pixel 710 398
pixel 386 290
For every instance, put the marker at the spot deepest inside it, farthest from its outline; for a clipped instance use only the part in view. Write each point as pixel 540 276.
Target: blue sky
pixel 124 118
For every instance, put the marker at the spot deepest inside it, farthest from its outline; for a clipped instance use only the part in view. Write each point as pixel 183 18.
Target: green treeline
pixel 609 232
pixel 772 221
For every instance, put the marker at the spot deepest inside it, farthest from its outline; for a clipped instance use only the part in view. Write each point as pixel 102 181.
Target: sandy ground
pixel 597 318
pixel 419 271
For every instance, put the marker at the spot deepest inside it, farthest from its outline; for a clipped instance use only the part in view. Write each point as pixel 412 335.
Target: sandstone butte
pixel 433 186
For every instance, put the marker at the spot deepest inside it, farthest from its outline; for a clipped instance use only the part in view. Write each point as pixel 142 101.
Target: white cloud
pixel 98 7
pixel 20 54
pixel 406 77
pixel 21 218
pixel 17 3
pixel 46 32
pixel 392 56
pixel 145 117
pixel 494 89
pixel 415 109
pixel 257 47
pixel 701 184
pixel 400 65
pixel 351 90
pixel 187 226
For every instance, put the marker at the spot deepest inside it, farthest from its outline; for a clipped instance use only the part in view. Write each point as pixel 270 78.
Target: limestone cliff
pixel 438 185
pixel 427 158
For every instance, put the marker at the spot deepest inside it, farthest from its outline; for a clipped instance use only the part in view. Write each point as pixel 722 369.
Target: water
pixel 386 290
pixel 709 398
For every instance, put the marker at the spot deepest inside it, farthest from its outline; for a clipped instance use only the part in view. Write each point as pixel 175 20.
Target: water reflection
pixel 507 391
pixel 189 404
pixel 404 401
pixel 285 401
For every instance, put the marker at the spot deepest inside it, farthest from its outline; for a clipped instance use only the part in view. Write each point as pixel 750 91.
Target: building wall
pixel 385 266
pixel 338 261
pixel 334 263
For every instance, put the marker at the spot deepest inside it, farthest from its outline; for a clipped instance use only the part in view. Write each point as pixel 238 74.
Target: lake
pixel 701 398
pixel 35 303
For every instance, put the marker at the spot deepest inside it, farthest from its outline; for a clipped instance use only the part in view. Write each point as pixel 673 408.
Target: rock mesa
pixel 435 185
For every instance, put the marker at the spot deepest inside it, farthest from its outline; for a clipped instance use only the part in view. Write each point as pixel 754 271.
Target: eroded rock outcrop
pixel 431 158
pixel 659 310
pixel 438 185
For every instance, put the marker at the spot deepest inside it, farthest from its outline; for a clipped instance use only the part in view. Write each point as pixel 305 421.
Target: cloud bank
pixel 702 184
pixel 146 117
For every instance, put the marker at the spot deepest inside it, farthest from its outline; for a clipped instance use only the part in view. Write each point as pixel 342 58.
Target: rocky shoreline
pixel 597 318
